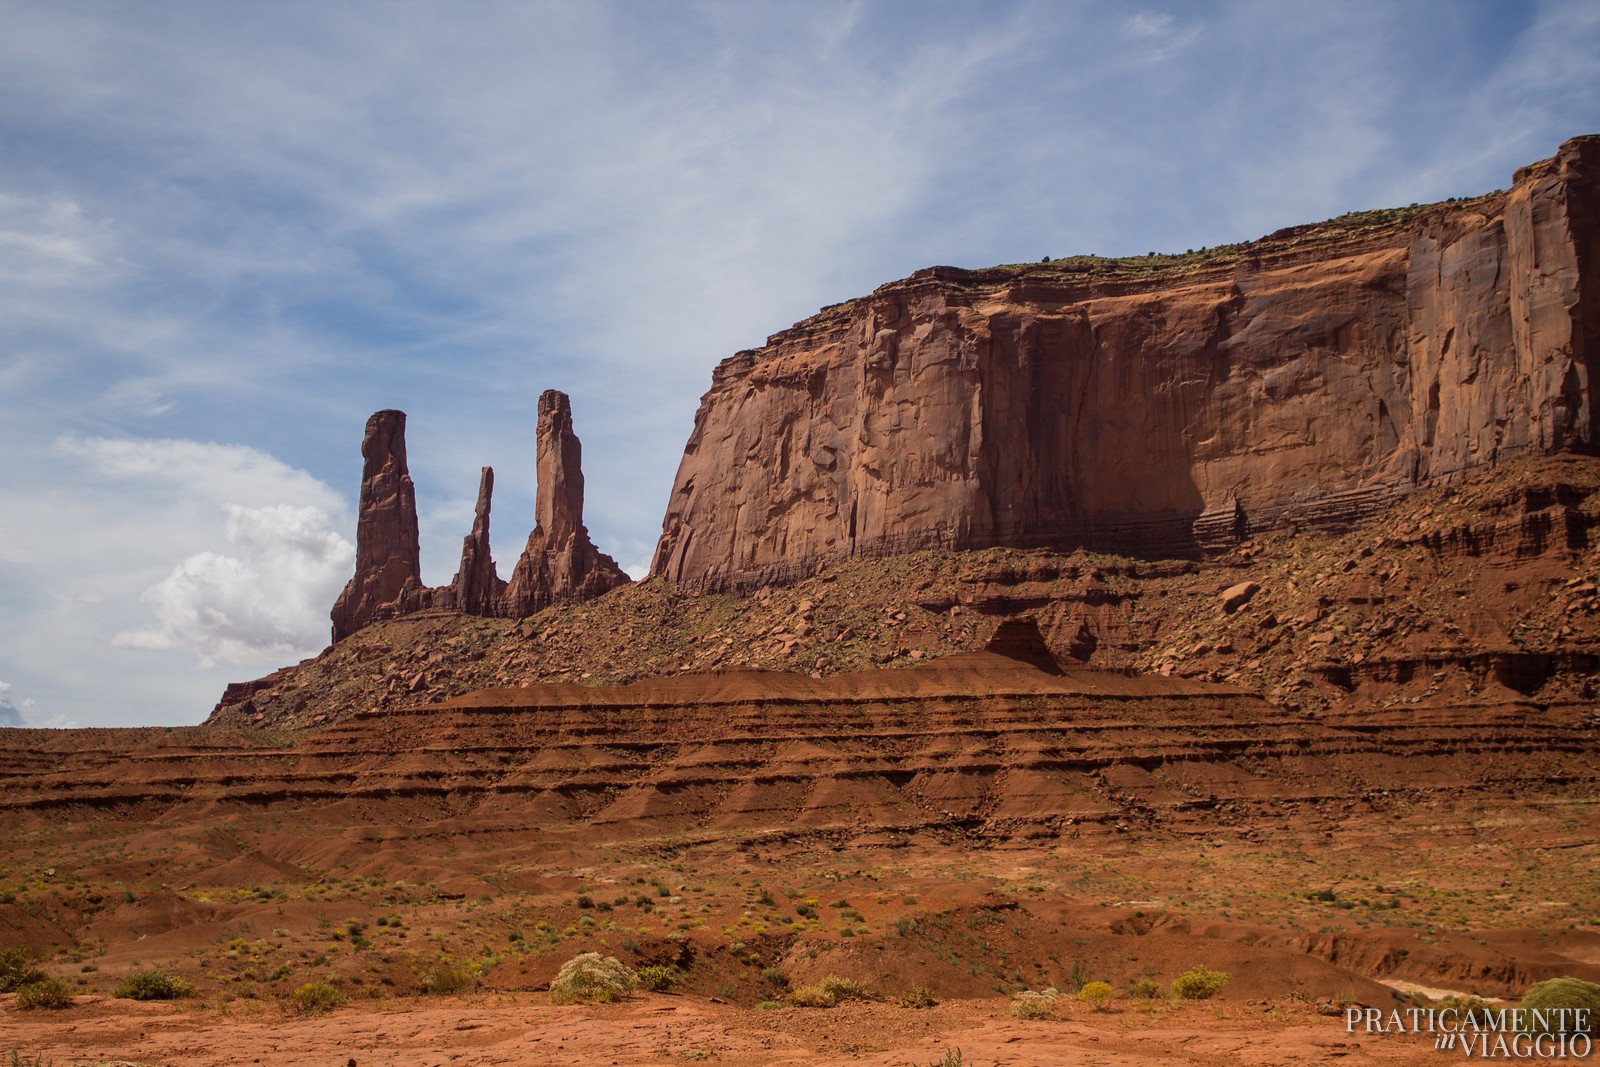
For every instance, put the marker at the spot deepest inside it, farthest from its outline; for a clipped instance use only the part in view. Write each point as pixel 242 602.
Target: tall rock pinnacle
pixel 388 555
pixel 560 562
pixel 477 589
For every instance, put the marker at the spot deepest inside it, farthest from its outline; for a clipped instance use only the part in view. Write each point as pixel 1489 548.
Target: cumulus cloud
pixel 10 714
pixel 14 715
pixel 270 597
pixel 134 569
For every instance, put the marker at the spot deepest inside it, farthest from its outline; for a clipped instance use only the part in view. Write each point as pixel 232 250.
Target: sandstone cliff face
pixel 560 562
pixel 1153 406
pixel 388 556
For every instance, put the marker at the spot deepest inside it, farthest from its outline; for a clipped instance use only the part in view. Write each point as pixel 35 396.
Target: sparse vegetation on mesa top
pixel 1351 224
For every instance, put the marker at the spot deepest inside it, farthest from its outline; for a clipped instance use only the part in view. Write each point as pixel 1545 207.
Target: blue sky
pixel 231 231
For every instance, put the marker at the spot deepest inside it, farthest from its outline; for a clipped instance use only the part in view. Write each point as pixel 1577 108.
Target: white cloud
pixel 27 713
pixel 49 241
pixel 134 569
pixel 10 715
pixel 271 598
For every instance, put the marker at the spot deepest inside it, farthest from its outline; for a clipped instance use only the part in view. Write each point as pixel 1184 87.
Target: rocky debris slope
pixel 1479 594
pixel 560 563
pixel 1156 406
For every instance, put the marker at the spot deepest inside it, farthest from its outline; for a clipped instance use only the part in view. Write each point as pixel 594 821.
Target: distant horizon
pixel 230 233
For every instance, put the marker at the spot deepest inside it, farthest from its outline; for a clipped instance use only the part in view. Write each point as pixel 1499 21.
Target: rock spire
pixel 559 563
pixel 388 555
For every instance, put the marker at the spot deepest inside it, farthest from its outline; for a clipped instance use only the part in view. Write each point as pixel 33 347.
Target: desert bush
pixel 315 997
pixel 1557 993
pixel 919 997
pixel 1143 989
pixel 1467 1006
pixel 951 1058
pixel 153 985
pixel 654 978
pixel 776 977
pixel 589 979
pixel 47 992
pixel 1034 1004
pixel 1098 994
pixel 17 970
pixel 445 977
pixel 1199 983
pixel 826 993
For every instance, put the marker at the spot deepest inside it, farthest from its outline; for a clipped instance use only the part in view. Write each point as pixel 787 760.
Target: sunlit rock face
pixel 1157 405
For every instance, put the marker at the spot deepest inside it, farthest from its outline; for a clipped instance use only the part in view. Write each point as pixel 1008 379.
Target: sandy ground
pixel 504 1029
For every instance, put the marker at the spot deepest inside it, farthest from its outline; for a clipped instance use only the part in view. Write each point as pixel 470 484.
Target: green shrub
pixel 1572 994
pixel 951 1058
pixel 445 977
pixel 589 979
pixel 17 970
pixel 1467 1006
pixel 1143 989
pixel 918 997
pixel 1098 994
pixel 153 985
pixel 1034 1004
pixel 47 992
pixel 776 978
pixel 1199 983
pixel 826 993
pixel 654 978
pixel 313 998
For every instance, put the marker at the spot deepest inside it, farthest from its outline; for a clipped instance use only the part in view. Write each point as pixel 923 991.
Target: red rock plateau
pixel 1010 629
pixel 1159 406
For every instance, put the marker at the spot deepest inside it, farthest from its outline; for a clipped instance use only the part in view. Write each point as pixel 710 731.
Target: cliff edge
pixel 1159 405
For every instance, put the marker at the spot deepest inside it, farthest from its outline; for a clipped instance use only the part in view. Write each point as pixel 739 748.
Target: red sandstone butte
pixel 1155 406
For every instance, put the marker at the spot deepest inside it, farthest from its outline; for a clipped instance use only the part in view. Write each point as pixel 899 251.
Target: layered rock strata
pixel 1157 406
pixel 560 562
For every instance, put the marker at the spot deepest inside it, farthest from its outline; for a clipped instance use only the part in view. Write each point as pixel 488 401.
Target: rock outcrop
pixel 1157 406
pixel 477 589
pixel 559 564
pixel 388 553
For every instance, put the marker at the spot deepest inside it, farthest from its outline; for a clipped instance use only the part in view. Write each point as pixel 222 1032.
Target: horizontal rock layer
pixel 975 745
pixel 1309 379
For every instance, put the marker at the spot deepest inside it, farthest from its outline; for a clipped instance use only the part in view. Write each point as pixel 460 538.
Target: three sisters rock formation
pixel 559 563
